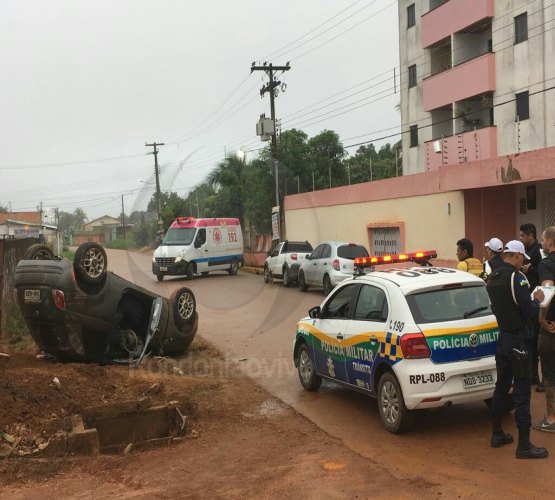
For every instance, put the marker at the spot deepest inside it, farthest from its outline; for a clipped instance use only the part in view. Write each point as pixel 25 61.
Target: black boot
pixel 526 449
pixel 498 437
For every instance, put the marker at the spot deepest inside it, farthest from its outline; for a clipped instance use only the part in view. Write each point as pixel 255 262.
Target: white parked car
pixel 420 337
pixel 329 264
pixel 284 261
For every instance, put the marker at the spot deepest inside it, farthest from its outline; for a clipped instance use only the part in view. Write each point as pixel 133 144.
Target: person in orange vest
pixel 467 261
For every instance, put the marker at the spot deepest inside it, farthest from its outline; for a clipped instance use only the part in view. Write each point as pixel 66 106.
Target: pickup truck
pixel 284 261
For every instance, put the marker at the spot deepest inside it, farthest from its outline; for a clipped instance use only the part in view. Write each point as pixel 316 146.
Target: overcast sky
pixel 86 83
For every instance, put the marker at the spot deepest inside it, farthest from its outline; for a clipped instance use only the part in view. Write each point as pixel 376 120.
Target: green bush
pixel 122 244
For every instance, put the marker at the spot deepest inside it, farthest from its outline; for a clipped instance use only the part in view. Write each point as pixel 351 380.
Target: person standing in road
pixel 512 306
pixel 467 261
pixel 494 250
pixel 546 344
pixel 528 236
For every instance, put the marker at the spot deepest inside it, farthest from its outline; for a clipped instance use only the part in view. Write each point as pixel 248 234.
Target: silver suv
pixel 329 264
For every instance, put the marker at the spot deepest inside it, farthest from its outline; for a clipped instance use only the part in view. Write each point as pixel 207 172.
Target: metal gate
pixel 386 241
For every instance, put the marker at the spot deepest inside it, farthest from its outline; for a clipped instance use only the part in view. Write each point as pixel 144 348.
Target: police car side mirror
pixel 314 312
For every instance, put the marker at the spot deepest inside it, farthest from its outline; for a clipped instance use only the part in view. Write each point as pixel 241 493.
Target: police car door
pixel 365 331
pixel 331 327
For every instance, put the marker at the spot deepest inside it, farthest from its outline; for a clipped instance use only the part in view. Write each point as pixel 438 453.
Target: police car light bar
pixel 424 256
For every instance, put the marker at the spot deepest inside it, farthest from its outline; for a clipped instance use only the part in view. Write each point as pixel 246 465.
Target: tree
pixel 228 181
pixel 3 208
pixel 326 155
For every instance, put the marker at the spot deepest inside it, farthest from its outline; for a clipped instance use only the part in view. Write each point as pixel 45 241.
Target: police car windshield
pixel 177 236
pixel 449 304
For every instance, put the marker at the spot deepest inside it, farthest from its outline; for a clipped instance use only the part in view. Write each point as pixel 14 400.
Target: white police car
pixel 416 337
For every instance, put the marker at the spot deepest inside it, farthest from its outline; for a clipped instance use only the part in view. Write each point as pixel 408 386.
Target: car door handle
pixel 339 336
pixel 373 339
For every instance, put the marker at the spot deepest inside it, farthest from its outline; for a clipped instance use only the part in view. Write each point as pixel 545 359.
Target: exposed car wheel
pixel 160 277
pixel 266 274
pixel 327 285
pixel 184 305
pixel 38 252
pixel 303 287
pixel 286 281
pixel 205 273
pixel 90 263
pixel 310 380
pixel 234 268
pixel 190 271
pixel 391 405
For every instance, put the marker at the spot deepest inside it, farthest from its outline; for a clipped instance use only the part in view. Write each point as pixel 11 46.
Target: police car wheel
pixel 266 274
pixel 307 373
pixel 302 283
pixel 160 277
pixel 391 405
pixel 286 280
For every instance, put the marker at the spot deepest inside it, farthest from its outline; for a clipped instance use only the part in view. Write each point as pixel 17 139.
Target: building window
pixel 521 28
pixel 522 106
pixel 413 136
pixel 411 16
pixel 412 76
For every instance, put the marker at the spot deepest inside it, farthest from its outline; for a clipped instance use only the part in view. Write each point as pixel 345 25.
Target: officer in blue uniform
pixel 512 305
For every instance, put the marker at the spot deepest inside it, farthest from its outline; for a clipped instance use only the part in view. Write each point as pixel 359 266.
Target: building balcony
pixel 480 144
pixel 452 17
pixel 471 78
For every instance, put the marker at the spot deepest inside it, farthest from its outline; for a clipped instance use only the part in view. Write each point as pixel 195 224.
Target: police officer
pixel 510 299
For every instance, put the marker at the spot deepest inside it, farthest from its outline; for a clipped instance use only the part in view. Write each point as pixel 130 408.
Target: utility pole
pixel 272 88
pixel 160 230
pixel 122 217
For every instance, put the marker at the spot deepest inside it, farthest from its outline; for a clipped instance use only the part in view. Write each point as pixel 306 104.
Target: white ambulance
pixel 192 246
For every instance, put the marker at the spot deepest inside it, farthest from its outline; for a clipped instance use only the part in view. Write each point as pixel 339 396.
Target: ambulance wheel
pixel 286 280
pixel 38 252
pixel 234 268
pixel 303 287
pixel 190 271
pixel 391 405
pixel 307 372
pixel 160 277
pixel 266 274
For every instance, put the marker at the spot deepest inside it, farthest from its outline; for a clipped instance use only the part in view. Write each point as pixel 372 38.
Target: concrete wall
pixel 428 225
pixel 529 65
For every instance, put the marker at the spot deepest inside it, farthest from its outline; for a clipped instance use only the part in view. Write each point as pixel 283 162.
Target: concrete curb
pixel 253 270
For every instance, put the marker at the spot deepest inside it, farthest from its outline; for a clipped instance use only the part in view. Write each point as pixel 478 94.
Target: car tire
pixel 38 251
pixel 266 274
pixel 327 285
pixel 303 287
pixel 160 277
pixel 183 304
pixel 310 380
pixel 286 280
pixel 190 271
pixel 234 268
pixel 395 416
pixel 205 273
pixel 90 263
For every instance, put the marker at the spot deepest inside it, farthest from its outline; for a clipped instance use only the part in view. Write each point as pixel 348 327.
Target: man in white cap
pixel 494 250
pixel 509 293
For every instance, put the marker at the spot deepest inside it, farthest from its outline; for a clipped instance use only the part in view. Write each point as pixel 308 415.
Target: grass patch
pixel 122 244
pixel 16 335
pixel 68 254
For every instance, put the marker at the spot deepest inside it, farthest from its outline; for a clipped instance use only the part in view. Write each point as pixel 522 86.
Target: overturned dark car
pixel 79 311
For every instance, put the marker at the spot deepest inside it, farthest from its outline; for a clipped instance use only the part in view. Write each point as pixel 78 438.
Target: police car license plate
pixel 32 295
pixel 162 268
pixel 471 380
